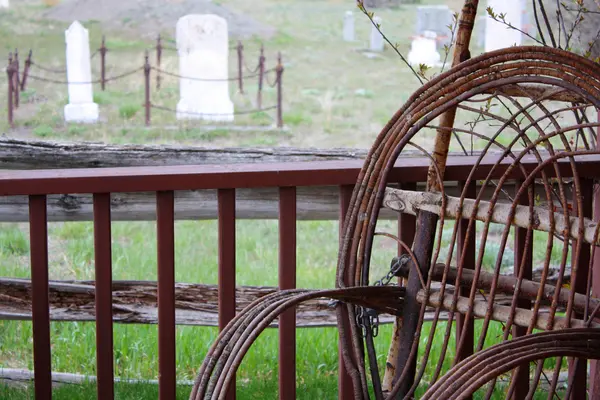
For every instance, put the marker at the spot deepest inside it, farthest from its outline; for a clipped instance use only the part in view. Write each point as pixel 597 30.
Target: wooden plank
pixel 314 203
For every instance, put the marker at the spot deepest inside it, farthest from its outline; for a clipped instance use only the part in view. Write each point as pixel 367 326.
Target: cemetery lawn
pixel 134 258
pixel 335 94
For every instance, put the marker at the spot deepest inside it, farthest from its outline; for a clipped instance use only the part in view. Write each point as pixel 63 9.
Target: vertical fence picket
pixel 523 259
pixel 165 218
pixel 469 263
pixel 279 83
pixel 240 58
pixel 594 379
pixel 26 70
pixel 578 370
pixel 102 50
pixel 158 60
pixel 40 313
pixel 103 265
pixel 9 101
pixel 226 205
pixel 261 76
pixel 16 78
pixel 287 280
pixel 345 388
pixel 147 104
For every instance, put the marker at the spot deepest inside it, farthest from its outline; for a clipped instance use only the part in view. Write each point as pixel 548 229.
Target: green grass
pixel 134 257
pixel 333 96
pixel 346 111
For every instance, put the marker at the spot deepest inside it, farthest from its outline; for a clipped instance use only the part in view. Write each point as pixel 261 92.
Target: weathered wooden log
pixel 314 203
pixel 16 376
pixel 136 302
pixel 506 284
pixel 23 154
pixel 501 313
pixel 412 202
pixel 19 377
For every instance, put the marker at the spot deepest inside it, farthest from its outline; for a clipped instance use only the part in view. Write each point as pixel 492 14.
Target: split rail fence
pixel 286 179
pixel 18 79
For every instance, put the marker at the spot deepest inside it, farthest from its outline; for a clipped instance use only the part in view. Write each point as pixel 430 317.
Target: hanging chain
pixel 367 318
pixel 399 262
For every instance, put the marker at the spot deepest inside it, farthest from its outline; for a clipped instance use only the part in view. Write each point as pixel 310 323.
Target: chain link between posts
pixel 371 325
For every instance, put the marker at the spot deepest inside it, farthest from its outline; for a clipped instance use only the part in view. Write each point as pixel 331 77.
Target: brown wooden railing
pixel 164 181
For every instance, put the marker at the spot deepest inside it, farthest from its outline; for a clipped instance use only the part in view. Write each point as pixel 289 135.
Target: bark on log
pixel 412 202
pixel 136 302
pixel 19 377
pixel 23 154
pixel 501 313
pixel 14 376
pixel 506 284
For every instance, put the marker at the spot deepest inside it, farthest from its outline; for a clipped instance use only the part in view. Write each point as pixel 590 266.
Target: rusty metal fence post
pixel 15 85
pixel 261 75
pixel 287 280
pixel 40 307
pixel 226 280
pixel 594 378
pixel 10 80
pixel 578 375
pixel 165 229
pixel 523 264
pixel 158 58
pixel 345 388
pixel 147 88
pixel 240 55
pixel 279 70
pixel 465 250
pixel 26 70
pixel 103 63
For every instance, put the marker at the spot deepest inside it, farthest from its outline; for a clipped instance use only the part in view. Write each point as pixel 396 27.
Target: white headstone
pixel 436 19
pixel 349 26
pixel 479 31
pixel 423 50
pixel 376 37
pixel 81 107
pixel 497 34
pixel 4 4
pixel 203 47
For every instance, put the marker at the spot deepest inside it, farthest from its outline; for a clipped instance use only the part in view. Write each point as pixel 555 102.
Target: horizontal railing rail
pixel 285 178
pixel 324 173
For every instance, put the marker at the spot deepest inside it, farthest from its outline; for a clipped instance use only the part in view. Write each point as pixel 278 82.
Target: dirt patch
pixel 150 17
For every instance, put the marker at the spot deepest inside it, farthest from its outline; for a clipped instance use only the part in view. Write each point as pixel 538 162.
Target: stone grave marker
pixel 348 30
pixel 497 34
pixel 81 107
pixel 423 50
pixel 376 42
pixel 203 48
pixel 435 19
pixel 479 31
